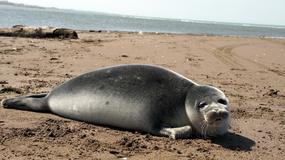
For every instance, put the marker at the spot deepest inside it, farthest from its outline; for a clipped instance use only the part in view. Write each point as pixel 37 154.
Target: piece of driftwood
pixel 38 32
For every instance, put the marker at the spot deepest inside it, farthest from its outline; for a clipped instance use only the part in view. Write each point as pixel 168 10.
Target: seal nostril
pixel 223 115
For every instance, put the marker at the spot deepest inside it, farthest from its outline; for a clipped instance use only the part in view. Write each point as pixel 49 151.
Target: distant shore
pixel 19 5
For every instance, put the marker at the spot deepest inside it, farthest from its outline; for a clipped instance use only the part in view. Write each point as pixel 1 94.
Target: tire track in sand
pixel 225 55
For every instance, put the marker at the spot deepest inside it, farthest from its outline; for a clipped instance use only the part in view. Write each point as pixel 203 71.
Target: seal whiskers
pixel 204 128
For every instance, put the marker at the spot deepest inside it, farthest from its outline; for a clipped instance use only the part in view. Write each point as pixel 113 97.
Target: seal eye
pixel 222 101
pixel 202 105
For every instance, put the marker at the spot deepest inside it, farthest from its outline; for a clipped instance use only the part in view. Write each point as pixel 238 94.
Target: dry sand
pixel 250 71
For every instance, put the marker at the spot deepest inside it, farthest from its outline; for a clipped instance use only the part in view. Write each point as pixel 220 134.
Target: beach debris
pixel 53 59
pixel 140 33
pixel 272 92
pixel 64 33
pixel 125 55
pixel 3 82
pixel 38 32
pixel 99 31
pixel 11 89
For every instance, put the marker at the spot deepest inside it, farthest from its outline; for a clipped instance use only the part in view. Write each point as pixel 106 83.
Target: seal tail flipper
pixel 31 103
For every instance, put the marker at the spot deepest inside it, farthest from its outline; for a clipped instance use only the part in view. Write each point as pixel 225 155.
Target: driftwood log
pixel 38 32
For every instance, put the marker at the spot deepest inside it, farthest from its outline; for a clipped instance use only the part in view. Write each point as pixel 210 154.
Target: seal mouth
pixel 217 121
pixel 216 117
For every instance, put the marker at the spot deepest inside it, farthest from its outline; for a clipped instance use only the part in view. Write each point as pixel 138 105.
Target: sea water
pixel 82 20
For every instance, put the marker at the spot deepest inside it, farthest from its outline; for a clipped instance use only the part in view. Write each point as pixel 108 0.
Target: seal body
pixel 136 97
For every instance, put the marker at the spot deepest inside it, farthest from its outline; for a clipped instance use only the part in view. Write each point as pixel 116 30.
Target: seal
pixel 145 98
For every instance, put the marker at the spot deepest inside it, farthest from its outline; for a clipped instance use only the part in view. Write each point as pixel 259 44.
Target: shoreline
pixel 181 34
pixel 142 32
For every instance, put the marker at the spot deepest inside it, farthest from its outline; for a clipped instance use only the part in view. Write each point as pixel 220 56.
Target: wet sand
pixel 251 72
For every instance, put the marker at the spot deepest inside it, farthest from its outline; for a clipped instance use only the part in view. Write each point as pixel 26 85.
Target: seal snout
pixel 222 115
pixel 216 116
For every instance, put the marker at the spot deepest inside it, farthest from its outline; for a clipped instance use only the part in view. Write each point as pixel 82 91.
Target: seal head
pixel 208 110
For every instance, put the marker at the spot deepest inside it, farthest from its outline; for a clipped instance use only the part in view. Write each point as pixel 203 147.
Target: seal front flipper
pixel 31 103
pixel 175 133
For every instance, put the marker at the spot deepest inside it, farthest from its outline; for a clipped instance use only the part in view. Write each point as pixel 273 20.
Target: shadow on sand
pixel 234 141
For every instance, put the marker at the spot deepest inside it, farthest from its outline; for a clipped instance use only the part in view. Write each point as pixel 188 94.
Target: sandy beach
pixel 250 71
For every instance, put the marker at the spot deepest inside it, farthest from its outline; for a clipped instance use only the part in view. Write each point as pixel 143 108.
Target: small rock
pixel 52 59
pixel 124 55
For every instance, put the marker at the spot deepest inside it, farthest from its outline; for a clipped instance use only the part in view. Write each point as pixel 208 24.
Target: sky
pixel 268 12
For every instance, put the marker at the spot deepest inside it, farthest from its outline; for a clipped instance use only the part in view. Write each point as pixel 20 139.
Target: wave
pixel 234 24
pixel 263 26
pixel 144 17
